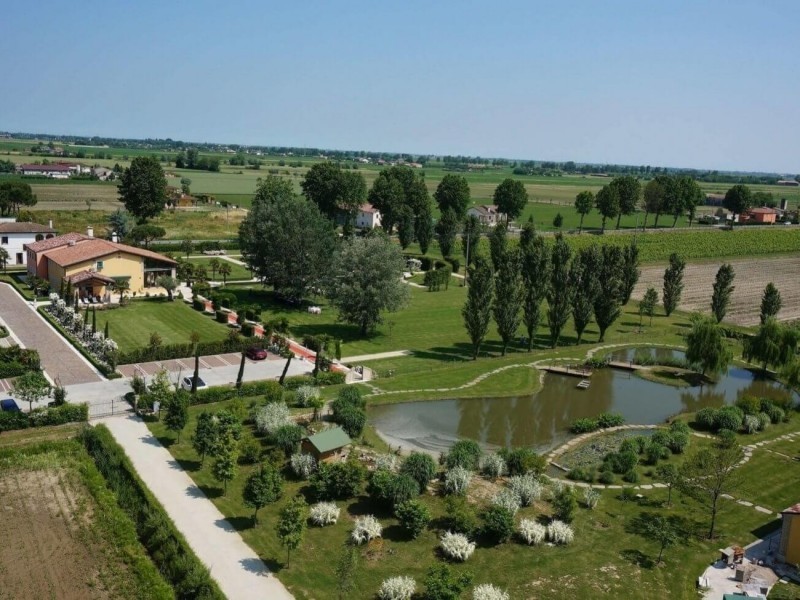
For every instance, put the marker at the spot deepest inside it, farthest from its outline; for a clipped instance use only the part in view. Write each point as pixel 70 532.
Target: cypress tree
pixel 673 283
pixel 723 288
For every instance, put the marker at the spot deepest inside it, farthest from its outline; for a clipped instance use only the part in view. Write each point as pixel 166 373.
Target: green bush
pixel 749 405
pixel 706 418
pixel 198 304
pixel 171 351
pixel 273 391
pixel 498 524
pixel 464 453
pixel 221 317
pixel 43 417
pixel 564 504
pixel 9 421
pixel 521 461
pixel 189 578
pixel 248 329
pixel 249 450
pixel 606 477
pixel 729 417
pixel 380 487
pixel 337 481
pixel 420 467
pixel 404 488
pixel 631 477
pixel 606 420
pixel 461 516
pixel 585 425
pixel 330 378
pixel 726 438
pixel 581 474
pixel 352 420
pixel 413 516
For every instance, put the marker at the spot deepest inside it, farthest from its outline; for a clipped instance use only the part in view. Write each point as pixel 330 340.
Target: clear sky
pixel 706 84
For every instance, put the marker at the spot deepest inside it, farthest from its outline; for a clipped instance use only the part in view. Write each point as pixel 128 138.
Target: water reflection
pixel 541 420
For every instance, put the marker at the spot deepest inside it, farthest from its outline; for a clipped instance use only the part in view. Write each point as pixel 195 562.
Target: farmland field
pixel 64 536
pixel 752 275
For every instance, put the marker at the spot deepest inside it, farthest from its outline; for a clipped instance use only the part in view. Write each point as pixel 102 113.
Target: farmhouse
pixel 103 173
pixel 789 182
pixel 762 215
pixel 326 445
pixel 14 236
pixel 368 217
pixel 488 214
pixel 52 171
pixel 789 546
pixel 92 264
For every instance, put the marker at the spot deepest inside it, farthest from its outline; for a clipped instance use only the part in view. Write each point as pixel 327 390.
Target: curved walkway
pixel 60 360
pixel 239 571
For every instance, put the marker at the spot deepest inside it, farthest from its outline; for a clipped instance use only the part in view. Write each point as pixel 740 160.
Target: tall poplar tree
pixel 723 289
pixel 608 302
pixel 770 302
pixel 583 276
pixel 630 271
pixel 559 295
pixel 477 311
pixel 509 295
pixel 673 283
pixel 535 278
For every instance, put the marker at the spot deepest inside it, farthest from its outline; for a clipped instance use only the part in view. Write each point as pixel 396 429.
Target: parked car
pixel 9 405
pixel 256 353
pixel 187 384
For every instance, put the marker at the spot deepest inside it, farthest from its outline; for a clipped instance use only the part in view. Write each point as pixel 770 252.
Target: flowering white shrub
pixel 591 498
pixel 486 591
pixel 456 481
pixel 110 345
pixel 492 465
pixel 556 487
pixel 507 499
pixel 324 513
pixel 532 532
pixel 764 421
pixel 53 297
pixel 305 394
pixel 559 532
pixel 67 316
pixel 397 588
pixel 527 488
pixel 387 462
pixel 272 417
pixel 750 423
pixel 456 546
pixel 367 528
pixel 303 465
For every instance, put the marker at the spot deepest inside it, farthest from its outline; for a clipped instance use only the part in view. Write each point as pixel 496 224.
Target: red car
pixel 256 353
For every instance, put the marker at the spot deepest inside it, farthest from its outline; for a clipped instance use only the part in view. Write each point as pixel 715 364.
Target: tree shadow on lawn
pixel 638 558
pixel 364 505
pixel 236 523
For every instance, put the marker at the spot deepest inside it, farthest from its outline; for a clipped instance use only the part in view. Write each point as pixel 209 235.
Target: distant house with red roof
pixel 52 171
pixel 762 215
pixel 368 217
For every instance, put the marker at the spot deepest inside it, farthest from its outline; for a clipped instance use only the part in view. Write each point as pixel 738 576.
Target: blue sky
pixel 692 84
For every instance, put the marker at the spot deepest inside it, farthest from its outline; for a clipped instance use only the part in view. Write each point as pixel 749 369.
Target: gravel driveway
pixel 59 360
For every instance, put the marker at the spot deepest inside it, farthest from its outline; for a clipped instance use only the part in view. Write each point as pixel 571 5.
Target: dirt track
pixel 752 276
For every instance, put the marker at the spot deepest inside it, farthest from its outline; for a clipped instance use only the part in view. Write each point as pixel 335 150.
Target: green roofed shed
pixel 326 445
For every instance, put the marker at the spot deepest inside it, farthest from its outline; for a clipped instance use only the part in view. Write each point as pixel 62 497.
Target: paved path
pixel 238 570
pixel 59 359
pixel 378 356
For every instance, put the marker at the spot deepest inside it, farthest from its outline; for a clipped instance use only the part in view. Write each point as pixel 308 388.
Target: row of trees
pixel 593 284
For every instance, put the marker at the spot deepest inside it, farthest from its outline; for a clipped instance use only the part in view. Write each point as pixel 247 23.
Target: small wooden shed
pixel 326 445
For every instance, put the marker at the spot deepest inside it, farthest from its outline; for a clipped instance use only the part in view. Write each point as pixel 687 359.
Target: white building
pixel 487 214
pixel 368 217
pixel 52 171
pixel 14 235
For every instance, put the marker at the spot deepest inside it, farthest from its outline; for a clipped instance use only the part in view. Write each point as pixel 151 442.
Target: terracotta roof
pixel 61 240
pixel 792 510
pixel 88 275
pixel 762 211
pixel 91 248
pixel 44 167
pixel 25 228
pixel 367 208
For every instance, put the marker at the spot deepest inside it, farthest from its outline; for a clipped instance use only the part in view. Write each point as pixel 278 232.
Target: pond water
pixel 542 420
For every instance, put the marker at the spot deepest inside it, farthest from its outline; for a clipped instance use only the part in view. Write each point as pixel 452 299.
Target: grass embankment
pixel 55 493
pixel 131 325
pixel 605 543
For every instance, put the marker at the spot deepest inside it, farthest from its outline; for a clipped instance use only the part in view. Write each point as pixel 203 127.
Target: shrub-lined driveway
pixel 59 360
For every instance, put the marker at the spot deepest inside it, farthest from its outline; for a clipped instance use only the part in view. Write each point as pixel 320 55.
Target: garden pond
pixel 542 420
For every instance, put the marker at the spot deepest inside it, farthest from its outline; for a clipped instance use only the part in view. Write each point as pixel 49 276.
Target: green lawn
pixel 237 271
pixel 131 325
pixel 605 542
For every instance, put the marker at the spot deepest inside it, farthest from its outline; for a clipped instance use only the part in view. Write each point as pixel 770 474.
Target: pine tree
pixel 559 295
pixel 477 310
pixel 535 278
pixel 770 302
pixel 673 283
pixel 723 288
pixel 509 295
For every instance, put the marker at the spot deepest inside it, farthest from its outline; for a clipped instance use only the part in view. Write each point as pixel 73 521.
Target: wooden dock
pixel 584 384
pixel 628 366
pixel 572 370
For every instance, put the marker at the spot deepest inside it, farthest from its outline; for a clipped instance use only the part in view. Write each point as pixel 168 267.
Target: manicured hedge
pixel 41 417
pixel 105 370
pixel 190 579
pixel 221 393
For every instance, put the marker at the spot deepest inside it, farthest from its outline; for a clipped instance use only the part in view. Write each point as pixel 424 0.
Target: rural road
pixel 238 570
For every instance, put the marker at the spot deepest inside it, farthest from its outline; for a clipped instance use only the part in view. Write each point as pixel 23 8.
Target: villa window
pixel 4 240
pixel 99 266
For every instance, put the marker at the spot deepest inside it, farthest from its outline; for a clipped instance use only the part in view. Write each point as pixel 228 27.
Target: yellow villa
pixel 94 266
pixel 789 547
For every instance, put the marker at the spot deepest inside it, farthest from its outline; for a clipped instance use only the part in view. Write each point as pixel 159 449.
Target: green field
pixel 238 272
pixel 131 325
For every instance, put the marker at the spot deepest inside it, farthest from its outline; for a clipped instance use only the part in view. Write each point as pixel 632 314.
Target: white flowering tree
pixel 531 532
pixel 272 417
pixel 508 499
pixel 324 513
pixel 306 394
pixel 456 546
pixel 366 528
pixel 387 462
pixel 456 481
pixel 591 498
pixel 527 488
pixel 492 465
pixel 487 591
pixel 303 465
pixel 397 588
pixel 559 532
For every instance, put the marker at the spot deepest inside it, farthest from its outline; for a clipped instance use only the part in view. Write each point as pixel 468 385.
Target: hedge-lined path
pixel 60 361
pixel 238 570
